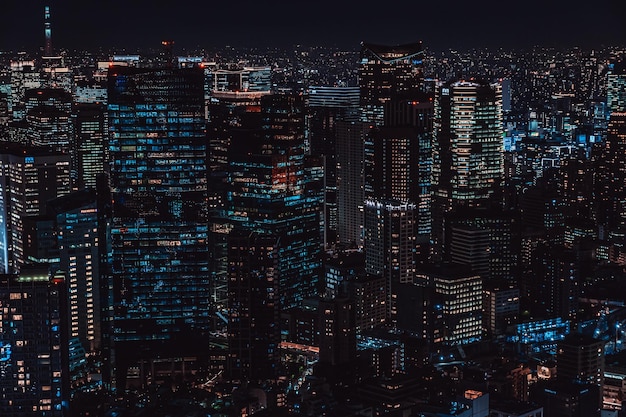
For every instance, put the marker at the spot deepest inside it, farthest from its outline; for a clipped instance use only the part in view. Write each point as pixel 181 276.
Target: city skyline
pixel 142 24
pixel 285 227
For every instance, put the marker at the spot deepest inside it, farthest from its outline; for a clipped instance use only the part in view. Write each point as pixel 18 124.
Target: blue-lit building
pixel 160 281
pixel 77 226
pixel 48 114
pixel 272 194
pixel 29 177
pixel 33 343
pixel 540 336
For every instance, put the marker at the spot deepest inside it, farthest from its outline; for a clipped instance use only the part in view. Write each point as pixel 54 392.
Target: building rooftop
pixel 391 53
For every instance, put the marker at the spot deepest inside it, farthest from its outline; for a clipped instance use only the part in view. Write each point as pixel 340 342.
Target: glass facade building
pixel 32 345
pixel 160 276
pixel 77 241
pixel 29 177
pixel 271 193
pixel 468 156
pixel 388 72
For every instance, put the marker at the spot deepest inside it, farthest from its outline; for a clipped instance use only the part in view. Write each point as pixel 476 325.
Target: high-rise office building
pixel 33 379
pixel 345 276
pixel 610 175
pixel 49 117
pixel 388 72
pixel 29 178
pixel 390 244
pixel 76 216
pixel 350 192
pixel 369 295
pixel 488 240
pixel 326 107
pixel 242 79
pixel 397 158
pixel 24 76
pixel 616 88
pixel 90 143
pixel 461 293
pixel 501 307
pixel 271 193
pixel 468 144
pixel 159 231
pixel 229 112
pixel 467 148
pixel 253 319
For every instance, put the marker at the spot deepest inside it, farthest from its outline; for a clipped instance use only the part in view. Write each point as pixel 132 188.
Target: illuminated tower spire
pixel 47 31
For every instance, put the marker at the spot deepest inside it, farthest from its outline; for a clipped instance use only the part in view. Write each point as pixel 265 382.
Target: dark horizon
pixel 140 24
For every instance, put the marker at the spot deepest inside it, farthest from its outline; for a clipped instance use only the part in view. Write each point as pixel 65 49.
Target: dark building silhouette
pixel 557 284
pixel 49 118
pixel 326 107
pixel 486 239
pixel 253 311
pixel 580 359
pixel 337 331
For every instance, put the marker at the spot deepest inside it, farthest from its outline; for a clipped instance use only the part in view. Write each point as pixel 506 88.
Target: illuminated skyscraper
pixel 229 112
pixel 467 148
pixel 616 87
pixel 159 231
pixel 388 72
pixel 24 76
pixel 486 240
pixel 49 117
pixel 89 146
pixel 461 293
pixel 242 79
pixel 47 31
pixel 390 244
pixel 32 345
pixel 398 162
pixel 610 175
pixel 78 245
pixel 29 177
pixel 271 193
pixel 350 196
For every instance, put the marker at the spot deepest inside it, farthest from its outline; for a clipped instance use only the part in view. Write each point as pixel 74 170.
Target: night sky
pixel 89 24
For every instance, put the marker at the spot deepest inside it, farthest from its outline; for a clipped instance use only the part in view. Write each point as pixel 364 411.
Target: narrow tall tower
pixel 47 31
